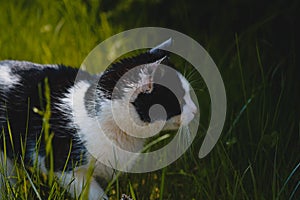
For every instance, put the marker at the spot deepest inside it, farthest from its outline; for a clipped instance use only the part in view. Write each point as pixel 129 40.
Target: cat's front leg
pixel 76 183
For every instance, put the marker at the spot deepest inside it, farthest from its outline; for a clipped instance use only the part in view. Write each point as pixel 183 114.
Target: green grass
pixel 254 46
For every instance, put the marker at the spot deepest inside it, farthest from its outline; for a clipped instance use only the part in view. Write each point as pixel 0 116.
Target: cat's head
pixel 146 91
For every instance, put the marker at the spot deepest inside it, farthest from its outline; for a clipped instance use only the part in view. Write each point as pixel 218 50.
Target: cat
pixel 75 105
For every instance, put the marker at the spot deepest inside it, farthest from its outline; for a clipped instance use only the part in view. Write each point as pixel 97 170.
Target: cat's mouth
pixel 176 122
pixel 187 115
pixel 173 123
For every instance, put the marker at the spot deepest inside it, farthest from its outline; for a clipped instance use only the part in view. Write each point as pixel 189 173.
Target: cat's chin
pixel 172 124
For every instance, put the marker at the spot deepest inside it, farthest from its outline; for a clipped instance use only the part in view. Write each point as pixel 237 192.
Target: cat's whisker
pixel 185 138
pixel 189 73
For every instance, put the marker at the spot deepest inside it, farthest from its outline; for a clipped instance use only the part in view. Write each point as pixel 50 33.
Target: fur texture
pixel 78 107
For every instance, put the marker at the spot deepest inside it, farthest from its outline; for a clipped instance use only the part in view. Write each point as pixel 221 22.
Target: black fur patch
pixel 26 125
pixel 166 95
pixel 112 75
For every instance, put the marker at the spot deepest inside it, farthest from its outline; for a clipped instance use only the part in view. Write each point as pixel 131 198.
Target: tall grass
pixel 257 156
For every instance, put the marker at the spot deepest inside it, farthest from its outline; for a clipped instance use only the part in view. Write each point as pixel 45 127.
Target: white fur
pixel 189 109
pixel 7 79
pixel 76 182
pixel 100 134
pixel 89 132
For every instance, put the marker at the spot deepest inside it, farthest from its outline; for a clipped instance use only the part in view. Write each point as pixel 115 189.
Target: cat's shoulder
pixel 13 72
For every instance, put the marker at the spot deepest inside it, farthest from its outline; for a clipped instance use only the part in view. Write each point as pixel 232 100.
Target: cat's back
pixel 23 83
pixel 17 75
pixel 20 80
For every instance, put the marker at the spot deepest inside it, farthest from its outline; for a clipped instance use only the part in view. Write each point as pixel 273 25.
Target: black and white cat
pixel 76 109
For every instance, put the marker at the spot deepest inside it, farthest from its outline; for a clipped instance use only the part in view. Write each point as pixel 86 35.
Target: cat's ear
pixel 160 49
pixel 147 75
pixel 149 61
pixel 149 70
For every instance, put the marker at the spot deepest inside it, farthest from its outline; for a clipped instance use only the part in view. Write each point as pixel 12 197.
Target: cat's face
pixel 164 95
pixel 147 95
